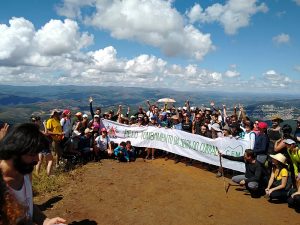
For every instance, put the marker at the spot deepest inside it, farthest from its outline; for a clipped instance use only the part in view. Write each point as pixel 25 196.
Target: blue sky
pixel 233 45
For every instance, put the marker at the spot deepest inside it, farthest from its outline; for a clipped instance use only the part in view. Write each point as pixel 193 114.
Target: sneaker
pixel 147 158
pixel 152 158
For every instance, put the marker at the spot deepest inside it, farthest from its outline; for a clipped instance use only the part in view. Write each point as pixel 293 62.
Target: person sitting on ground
pixel 131 151
pixel 121 153
pixel 18 155
pixel 103 145
pixel 253 177
pixel 278 186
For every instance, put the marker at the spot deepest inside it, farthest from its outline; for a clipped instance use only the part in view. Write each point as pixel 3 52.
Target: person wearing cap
pixel 103 144
pixel 162 122
pixel 77 125
pixel 274 132
pixel 253 177
pixel 54 129
pixel 294 154
pixel 66 125
pixel 280 145
pixel 94 124
pixel 278 185
pixel 261 143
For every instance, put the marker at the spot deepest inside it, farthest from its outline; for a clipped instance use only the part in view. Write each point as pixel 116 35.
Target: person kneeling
pixel 121 152
pixel 253 177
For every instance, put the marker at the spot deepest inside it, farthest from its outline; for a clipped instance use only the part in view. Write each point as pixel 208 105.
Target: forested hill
pixel 17 103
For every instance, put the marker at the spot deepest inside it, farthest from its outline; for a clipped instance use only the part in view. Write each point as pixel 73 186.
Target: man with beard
pixel 18 155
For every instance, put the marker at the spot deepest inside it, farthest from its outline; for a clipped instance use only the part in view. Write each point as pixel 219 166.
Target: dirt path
pixel 157 192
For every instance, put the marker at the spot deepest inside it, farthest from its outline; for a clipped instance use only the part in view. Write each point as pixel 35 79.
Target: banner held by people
pixel 178 142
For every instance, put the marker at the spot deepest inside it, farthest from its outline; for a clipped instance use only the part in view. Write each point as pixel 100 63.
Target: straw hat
pixel 280 158
pixel 277 117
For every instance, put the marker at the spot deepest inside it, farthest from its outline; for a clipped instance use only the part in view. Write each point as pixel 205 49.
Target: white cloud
pixel 232 73
pixel 233 15
pixel 33 57
pixel 21 44
pixel 275 79
pixel 154 23
pixel 297 68
pixel 281 39
pixel 57 37
pixel 297 2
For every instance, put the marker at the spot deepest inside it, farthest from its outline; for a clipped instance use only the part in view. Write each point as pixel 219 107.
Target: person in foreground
pixel 253 177
pixel 278 186
pixel 19 151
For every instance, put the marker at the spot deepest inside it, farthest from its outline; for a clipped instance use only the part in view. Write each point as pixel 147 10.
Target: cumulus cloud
pixel 232 72
pixel 155 23
pixel 21 44
pixel 233 15
pixel 275 79
pixel 281 39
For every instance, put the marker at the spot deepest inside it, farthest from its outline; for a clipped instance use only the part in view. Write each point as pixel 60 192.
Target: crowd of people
pixel 272 158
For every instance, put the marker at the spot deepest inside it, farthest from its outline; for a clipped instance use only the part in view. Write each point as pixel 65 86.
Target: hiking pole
pixel 222 171
pixel 229 185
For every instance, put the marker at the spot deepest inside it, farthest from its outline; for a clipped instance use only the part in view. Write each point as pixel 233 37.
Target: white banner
pixel 179 142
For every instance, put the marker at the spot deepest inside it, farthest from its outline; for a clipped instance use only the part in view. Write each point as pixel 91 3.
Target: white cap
pixel 289 141
pixel 216 127
pixel 85 116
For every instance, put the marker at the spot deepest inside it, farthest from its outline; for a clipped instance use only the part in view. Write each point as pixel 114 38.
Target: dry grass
pixel 44 184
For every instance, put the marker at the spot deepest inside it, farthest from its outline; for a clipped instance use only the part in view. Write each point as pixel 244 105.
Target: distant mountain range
pixel 17 103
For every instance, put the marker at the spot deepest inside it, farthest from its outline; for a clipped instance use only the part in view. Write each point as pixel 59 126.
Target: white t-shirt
pixel 66 125
pixel 102 142
pixel 24 195
pixel 250 137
